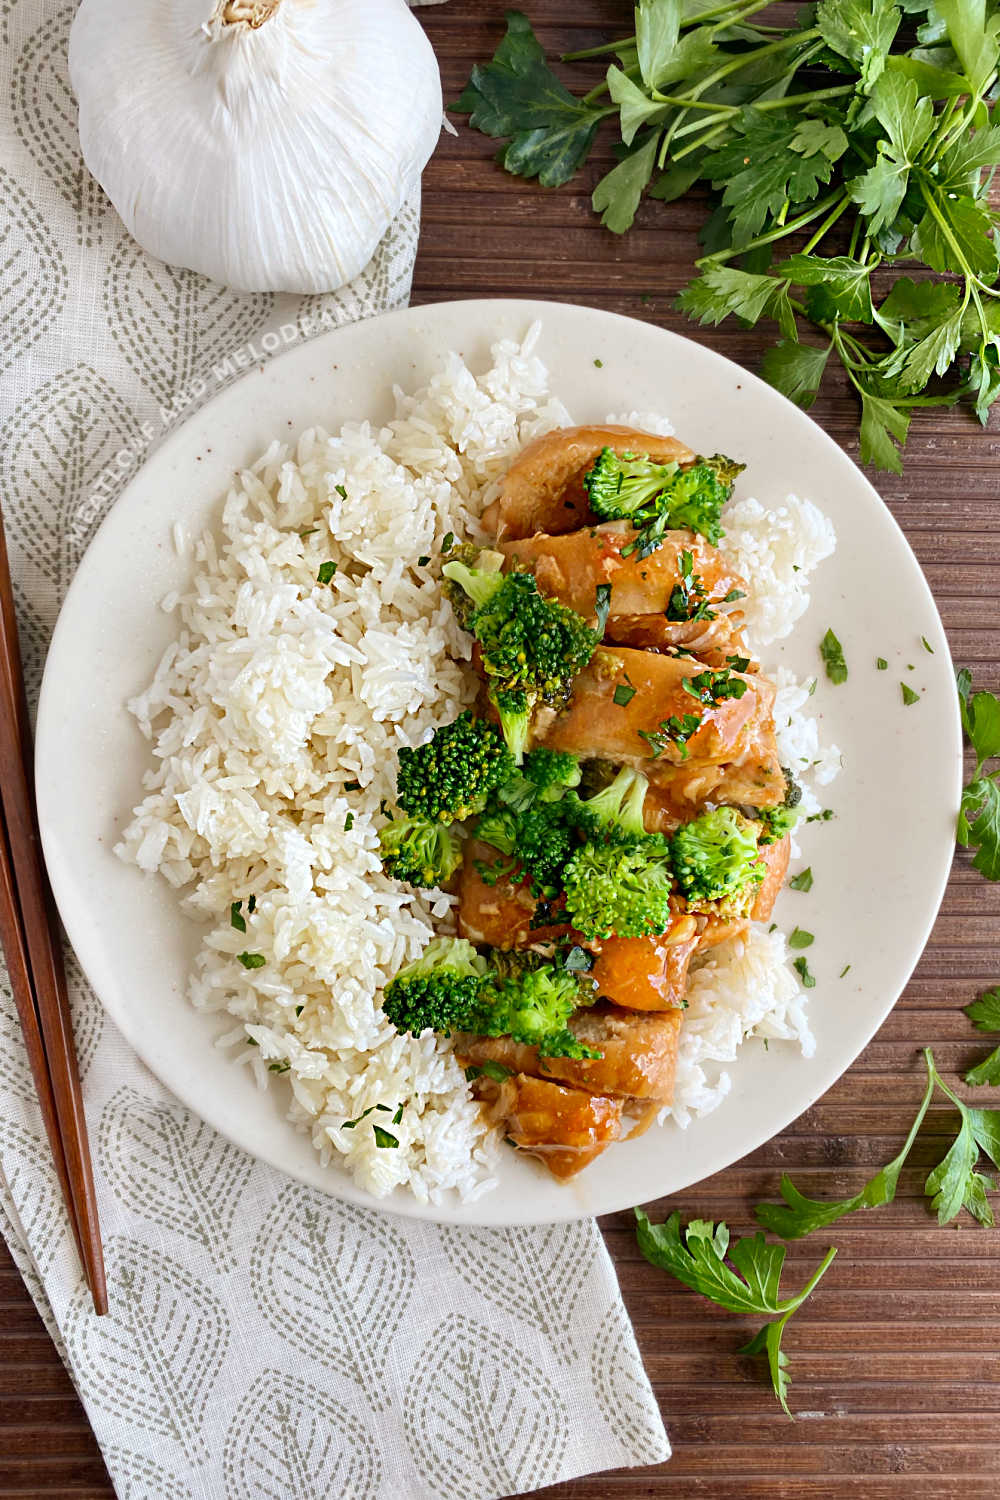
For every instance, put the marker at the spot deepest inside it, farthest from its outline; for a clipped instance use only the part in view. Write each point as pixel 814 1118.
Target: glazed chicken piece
pixel 775 857
pixel 731 756
pixel 565 1127
pixel 543 488
pixel 640 1054
pixel 499 915
pixel 647 973
pixel 570 568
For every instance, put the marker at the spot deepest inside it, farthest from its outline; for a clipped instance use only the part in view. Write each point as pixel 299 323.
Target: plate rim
pixel 564 1208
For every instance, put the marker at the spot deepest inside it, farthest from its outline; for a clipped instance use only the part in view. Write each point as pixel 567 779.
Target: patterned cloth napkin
pixel 265 1341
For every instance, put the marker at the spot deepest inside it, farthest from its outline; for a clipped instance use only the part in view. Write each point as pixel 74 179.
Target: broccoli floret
pixel 419 851
pixel 715 859
pixel 470 574
pixel 451 777
pixel 775 822
pixel 657 498
pixel 621 484
pixel 553 772
pixel 439 991
pixel 532 647
pixel 533 1006
pixel 451 987
pixel 617 809
pixel 541 837
pixel 619 887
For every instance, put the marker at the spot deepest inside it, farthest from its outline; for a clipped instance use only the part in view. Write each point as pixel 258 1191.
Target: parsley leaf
pixel 721 292
pixel 984 1014
pixel 860 30
pixel 802 968
pixel 795 370
pixel 251 960
pixel 517 96
pixel 799 939
pixel 236 919
pixel 741 1275
pixel 767 165
pixel 803 881
pixel 979 812
pixel 801 1215
pixel 832 653
pixel 909 696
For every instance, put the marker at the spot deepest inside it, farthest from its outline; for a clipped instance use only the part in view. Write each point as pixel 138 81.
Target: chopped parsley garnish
pixel 279 1067
pixel 881 665
pixel 599 363
pixel 398 1115
pixel 602 605
pixel 235 919
pixel 927 645
pixel 672 731
pixel 352 786
pixel 326 572
pixel 252 905
pixel 423 560
pixel 714 687
pixel 309 531
pixel 299 1009
pixel 821 817
pixel 733 595
pixel 350 1124
pixel 844 970
pixel 798 938
pixel 341 491
pixel 384 1139
pixel 832 653
pixel 909 696
pixel 349 822
pixel 252 960
pixel 803 881
pixel 488 1069
pixel 623 695
pixel 448 541
pixel 688 598
pixel 802 968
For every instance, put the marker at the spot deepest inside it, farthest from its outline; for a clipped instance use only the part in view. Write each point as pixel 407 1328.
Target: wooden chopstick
pixel 31 943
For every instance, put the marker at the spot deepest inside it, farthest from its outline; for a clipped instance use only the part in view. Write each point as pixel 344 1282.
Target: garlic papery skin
pixel 267 144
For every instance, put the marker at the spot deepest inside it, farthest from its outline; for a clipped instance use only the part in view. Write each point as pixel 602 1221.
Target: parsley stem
pixel 817 1275
pixel 810 98
pixel 827 224
pixel 945 229
pixel 799 222
pixel 581 56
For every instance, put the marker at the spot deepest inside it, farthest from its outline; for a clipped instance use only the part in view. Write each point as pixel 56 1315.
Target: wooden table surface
pixel 895 1359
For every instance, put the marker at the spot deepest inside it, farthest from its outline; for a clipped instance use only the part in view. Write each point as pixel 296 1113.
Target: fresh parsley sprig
pixel 865 129
pixel 741 1275
pixel 979 813
pixel 955 1183
pixel 984 1014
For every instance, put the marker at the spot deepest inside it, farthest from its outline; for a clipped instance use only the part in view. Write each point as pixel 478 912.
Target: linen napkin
pixel 265 1341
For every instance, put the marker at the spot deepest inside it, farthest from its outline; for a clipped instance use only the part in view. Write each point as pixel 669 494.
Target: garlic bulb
pixel 265 143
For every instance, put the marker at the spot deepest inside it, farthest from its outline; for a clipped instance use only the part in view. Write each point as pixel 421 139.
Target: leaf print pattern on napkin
pixel 154 1359
pixel 172 325
pixel 32 273
pixel 478 1414
pixel 15 1073
pixel 335 1281
pixel 536 1273
pixel 45 117
pixel 57 446
pixel 290 1439
pixel 139 1478
pixel 167 1165
pixel 623 1392
pixel 86 1010
pixel 33 1187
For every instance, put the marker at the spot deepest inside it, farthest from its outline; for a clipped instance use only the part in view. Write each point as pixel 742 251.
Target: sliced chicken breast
pixel 565 1127
pixel 543 488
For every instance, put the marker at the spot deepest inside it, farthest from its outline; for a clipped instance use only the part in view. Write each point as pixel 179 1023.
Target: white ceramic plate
pixel 880 867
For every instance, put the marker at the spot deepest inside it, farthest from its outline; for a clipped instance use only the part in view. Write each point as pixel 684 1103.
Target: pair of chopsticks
pixel 30 938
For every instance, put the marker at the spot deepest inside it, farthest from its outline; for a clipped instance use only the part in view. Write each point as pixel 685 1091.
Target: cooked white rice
pixel 280 693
